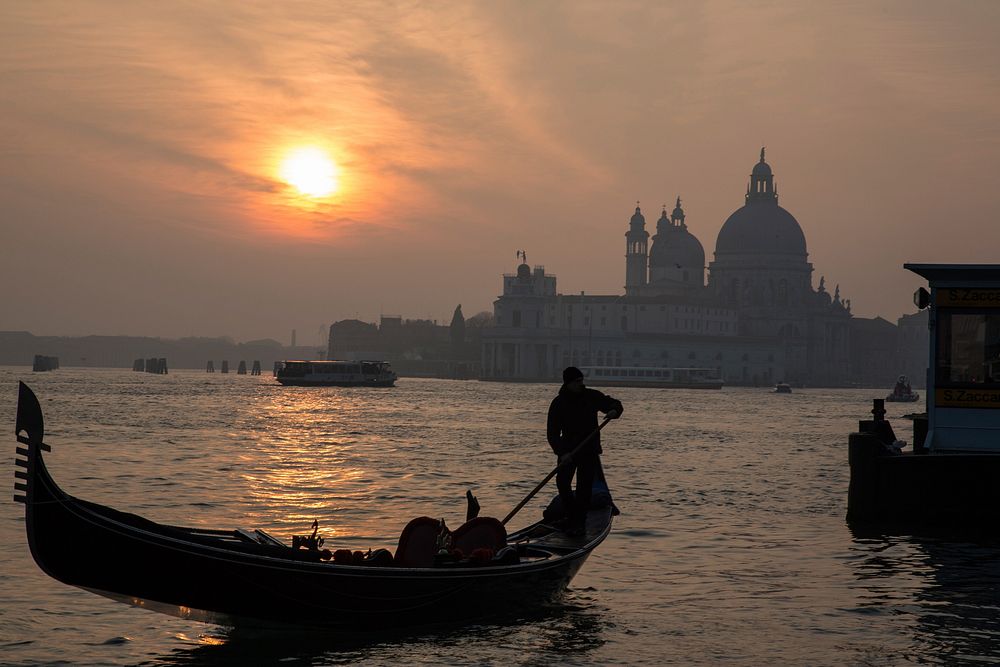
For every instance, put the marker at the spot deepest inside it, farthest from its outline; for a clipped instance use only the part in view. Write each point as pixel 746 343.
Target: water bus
pixel 637 376
pixel 335 373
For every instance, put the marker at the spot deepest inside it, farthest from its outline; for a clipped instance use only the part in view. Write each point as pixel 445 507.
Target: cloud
pixel 466 130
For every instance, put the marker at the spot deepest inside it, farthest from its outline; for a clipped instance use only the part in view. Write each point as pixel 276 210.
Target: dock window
pixel 968 348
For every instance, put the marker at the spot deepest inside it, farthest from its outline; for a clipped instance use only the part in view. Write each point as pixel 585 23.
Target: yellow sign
pixel 964 297
pixel 967 398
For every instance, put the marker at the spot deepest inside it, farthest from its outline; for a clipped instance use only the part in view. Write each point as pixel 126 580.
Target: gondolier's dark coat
pixel 573 416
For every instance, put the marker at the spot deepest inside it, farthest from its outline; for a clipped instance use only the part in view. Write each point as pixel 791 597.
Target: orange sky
pixel 140 144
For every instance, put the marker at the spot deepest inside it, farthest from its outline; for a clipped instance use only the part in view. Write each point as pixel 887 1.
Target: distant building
pixel 414 347
pixel 874 352
pixel 913 343
pixel 353 340
pixel 757 320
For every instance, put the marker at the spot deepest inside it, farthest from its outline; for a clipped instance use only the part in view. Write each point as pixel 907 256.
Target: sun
pixel 310 171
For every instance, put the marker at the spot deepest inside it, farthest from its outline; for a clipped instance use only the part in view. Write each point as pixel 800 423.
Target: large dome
pixel 761 228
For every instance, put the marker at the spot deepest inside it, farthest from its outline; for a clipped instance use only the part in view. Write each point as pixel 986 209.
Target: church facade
pixel 754 319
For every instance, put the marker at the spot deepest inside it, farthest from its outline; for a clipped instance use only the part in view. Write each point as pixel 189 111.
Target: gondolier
pixel 572 418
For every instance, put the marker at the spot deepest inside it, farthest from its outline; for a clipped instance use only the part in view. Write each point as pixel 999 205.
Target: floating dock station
pixel 951 475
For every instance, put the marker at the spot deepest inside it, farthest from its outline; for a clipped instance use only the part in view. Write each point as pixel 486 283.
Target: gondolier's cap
pixel 571 373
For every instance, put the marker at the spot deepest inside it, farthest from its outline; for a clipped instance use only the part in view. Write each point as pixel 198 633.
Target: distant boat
pixel 902 393
pixel 335 373
pixel 667 378
pixel 782 388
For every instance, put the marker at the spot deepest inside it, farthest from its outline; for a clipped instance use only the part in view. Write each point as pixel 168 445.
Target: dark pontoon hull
pixel 921 490
pixel 199 575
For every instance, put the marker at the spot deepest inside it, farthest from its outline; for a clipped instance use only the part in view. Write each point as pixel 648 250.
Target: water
pixel 731 548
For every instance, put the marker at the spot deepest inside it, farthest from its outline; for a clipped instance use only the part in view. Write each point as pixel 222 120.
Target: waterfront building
pixel 756 320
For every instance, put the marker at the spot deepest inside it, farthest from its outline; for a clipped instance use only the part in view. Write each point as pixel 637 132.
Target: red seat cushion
pixel 417 543
pixel 481 532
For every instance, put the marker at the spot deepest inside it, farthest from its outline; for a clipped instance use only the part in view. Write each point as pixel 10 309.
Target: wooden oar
pixel 552 474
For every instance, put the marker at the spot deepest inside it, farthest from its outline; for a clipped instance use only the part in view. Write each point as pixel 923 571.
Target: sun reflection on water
pixel 308 463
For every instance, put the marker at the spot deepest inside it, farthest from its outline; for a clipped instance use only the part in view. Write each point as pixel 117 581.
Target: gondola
pixel 236 577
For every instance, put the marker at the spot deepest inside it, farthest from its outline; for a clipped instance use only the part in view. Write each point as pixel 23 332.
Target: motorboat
pixel 902 393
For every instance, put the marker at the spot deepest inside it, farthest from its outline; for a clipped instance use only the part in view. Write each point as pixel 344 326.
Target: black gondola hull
pixel 199 575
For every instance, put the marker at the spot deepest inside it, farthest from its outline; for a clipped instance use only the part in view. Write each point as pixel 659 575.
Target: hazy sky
pixel 140 145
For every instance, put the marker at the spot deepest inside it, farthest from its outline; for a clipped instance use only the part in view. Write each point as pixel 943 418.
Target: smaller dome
pixel 523 271
pixel 677 248
pixel 663 223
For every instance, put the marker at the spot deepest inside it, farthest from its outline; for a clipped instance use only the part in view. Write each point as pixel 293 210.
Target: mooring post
pixel 862 494
pixel 863 450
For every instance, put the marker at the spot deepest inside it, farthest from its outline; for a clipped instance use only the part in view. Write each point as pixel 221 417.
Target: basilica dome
pixel 761 227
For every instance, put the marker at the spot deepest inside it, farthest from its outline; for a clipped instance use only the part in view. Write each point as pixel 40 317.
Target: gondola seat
pixel 418 543
pixel 480 533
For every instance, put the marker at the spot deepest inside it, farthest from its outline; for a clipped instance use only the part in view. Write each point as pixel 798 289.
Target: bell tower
pixel 636 252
